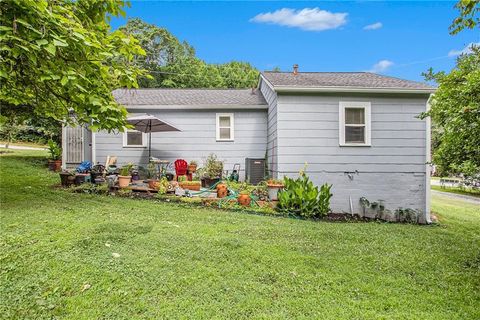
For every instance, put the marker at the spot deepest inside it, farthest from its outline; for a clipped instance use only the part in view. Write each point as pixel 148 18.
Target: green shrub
pixel 54 150
pixel 212 167
pixel 302 198
pixel 126 169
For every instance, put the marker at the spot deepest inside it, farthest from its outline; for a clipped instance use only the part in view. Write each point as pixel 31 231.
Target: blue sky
pixel 402 39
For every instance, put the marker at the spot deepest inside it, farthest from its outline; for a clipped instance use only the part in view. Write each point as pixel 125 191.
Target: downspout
pixel 428 160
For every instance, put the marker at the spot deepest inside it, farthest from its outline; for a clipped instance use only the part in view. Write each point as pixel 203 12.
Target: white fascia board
pixel 199 107
pixel 289 89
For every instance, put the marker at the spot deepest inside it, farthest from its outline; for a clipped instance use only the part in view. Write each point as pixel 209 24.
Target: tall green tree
pixel 455 107
pixel 172 63
pixel 161 49
pixel 455 110
pixel 59 58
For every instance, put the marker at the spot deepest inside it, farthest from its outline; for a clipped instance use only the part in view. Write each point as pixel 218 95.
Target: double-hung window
pixel 224 126
pixel 134 139
pixel 355 127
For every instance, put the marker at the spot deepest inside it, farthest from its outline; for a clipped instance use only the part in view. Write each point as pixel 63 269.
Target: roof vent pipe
pixel 295 69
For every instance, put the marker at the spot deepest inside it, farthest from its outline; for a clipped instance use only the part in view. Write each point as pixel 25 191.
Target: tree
pixel 58 58
pixel 455 108
pixel 172 63
pixel 161 49
pixel 469 9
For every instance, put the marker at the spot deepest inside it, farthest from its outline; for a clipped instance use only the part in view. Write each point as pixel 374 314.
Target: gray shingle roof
pixel 189 97
pixel 340 79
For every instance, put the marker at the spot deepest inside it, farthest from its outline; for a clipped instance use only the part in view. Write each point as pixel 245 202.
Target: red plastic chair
pixel 181 167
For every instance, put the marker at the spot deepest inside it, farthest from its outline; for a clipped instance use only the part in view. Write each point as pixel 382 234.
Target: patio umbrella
pixel 148 124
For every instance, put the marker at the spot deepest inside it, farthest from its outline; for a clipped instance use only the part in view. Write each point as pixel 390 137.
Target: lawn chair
pixel 181 167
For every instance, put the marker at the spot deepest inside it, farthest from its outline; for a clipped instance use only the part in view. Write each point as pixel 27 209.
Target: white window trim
pixel 144 140
pixel 368 127
pixel 232 126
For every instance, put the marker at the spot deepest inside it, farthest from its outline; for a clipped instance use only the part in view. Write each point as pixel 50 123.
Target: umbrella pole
pixel 150 140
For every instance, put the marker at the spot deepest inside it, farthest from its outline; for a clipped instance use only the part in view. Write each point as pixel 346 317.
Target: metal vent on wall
pixel 254 170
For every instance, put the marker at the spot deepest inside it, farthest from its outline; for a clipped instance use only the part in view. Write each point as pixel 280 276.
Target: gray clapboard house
pixel 356 130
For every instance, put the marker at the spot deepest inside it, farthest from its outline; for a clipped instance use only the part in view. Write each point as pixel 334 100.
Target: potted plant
pixel 67 178
pixel 274 186
pixel 152 176
pixel 190 185
pixel 55 156
pixel 212 171
pixel 124 176
pixel 244 198
pixel 192 166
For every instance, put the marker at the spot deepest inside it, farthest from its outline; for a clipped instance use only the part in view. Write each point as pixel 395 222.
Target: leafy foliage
pixel 59 58
pixel 302 198
pixel 54 150
pixel 126 170
pixel 469 11
pixel 212 167
pixel 455 109
pixel 173 64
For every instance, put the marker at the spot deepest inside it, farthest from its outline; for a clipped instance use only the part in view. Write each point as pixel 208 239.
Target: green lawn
pixel 181 262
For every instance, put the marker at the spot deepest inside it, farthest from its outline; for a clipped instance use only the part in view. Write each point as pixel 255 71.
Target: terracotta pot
pixel 124 181
pixel 54 165
pixel 244 200
pixel 221 186
pixel 192 168
pixel 222 192
pixel 153 184
pixel 193 187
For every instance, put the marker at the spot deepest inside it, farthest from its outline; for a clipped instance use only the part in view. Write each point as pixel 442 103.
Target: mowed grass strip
pixel 72 256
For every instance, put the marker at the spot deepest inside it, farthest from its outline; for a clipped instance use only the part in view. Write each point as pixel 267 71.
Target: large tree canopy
pixel 58 58
pixel 455 108
pixel 173 64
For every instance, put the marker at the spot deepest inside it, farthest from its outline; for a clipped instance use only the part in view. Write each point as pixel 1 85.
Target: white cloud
pixel 310 19
pixel 466 50
pixel 381 66
pixel 373 26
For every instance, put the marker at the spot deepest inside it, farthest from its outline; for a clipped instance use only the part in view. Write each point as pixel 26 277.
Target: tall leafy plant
pixel 301 197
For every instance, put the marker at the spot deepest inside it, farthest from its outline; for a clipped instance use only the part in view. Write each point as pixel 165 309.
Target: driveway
pixel 456 196
pixel 21 147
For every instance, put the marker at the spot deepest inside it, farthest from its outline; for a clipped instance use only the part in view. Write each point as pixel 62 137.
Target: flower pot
pixel 208 182
pixel 190 186
pixel 273 191
pixel 192 168
pixel 244 200
pixel 54 165
pixel 222 192
pixel 66 179
pixel 80 178
pixel 153 184
pixel 124 181
pixel 221 186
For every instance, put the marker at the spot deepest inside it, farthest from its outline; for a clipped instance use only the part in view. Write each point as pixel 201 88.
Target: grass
pixel 74 256
pixel 458 190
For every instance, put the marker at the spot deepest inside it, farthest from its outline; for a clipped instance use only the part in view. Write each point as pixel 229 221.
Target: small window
pixel 133 138
pixel 224 126
pixel 354 123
